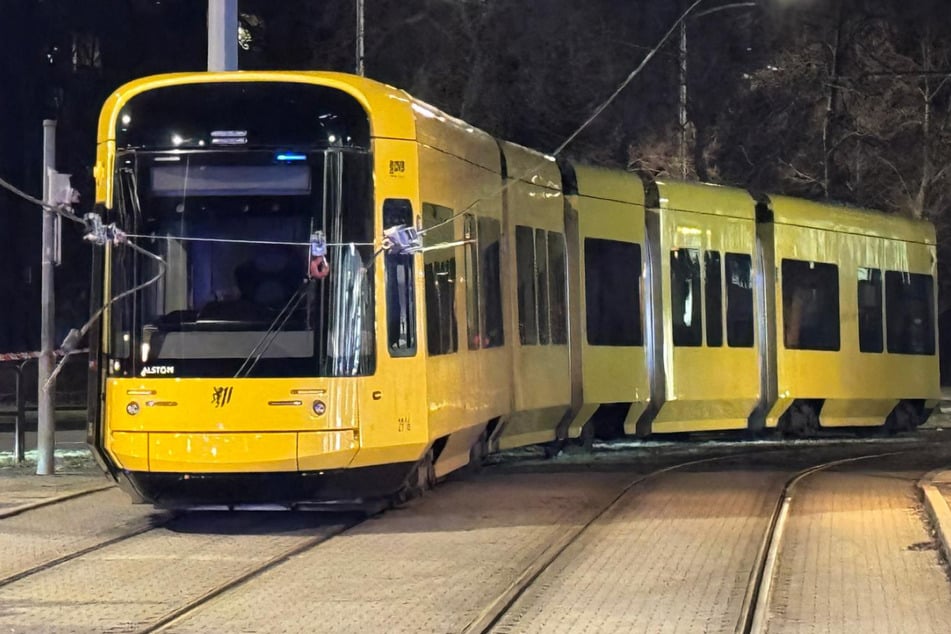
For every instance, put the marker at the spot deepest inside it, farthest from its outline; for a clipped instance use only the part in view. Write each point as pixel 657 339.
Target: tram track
pixel 755 607
pixel 171 618
pixel 497 610
pixel 754 615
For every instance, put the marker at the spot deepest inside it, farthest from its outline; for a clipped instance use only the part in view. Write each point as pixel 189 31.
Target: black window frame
pixel 713 297
pixel 400 284
pixel 609 267
pixel 806 289
pixel 870 315
pixel 900 293
pixel 442 327
pixel 740 300
pixel 686 260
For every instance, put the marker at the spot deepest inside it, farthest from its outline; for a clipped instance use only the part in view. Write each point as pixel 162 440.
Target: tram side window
pixel 541 283
pixel 870 310
pixel 557 288
pixel 440 272
pixel 525 265
pixel 713 288
pixel 490 238
pixel 739 300
pixel 612 278
pixel 473 303
pixel 810 305
pixel 685 297
pixel 909 312
pixel 400 285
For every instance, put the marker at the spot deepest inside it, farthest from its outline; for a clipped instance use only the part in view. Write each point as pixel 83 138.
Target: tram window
pixel 713 289
pixel 525 265
pixel 909 312
pixel 870 310
pixel 541 283
pixel 810 305
pixel 685 297
pixel 400 285
pixel 556 286
pixel 473 305
pixel 612 277
pixel 440 273
pixel 490 237
pixel 739 300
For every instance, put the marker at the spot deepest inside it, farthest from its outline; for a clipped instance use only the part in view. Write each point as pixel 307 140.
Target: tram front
pixel 231 370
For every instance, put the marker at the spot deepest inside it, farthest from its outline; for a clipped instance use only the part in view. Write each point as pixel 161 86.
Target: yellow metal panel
pixel 705 198
pixel 446 133
pixel 189 405
pixel 541 377
pixel 611 184
pixel 325 449
pixel 864 222
pixel 848 374
pixel 465 388
pixel 528 166
pixel 222 453
pixel 369 456
pixel 856 412
pixel 390 109
pixel 615 374
pixel 129 450
pixel 705 388
pixel 611 374
pixel 530 427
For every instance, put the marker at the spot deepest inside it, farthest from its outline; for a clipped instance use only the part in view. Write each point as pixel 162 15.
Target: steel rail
pixel 185 610
pixel 494 612
pixel 754 614
pixel 58 561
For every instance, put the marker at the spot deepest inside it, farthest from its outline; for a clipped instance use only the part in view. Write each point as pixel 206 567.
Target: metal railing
pixel 18 379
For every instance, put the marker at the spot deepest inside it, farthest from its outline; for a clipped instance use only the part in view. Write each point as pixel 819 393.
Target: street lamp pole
pixel 682 58
pixel 360 26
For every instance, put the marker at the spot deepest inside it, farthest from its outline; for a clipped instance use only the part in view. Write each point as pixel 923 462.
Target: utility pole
pixel 683 99
pixel 360 23
pixel 222 35
pixel 45 398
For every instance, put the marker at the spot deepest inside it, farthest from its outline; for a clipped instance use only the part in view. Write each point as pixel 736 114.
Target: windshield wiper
pixel 280 320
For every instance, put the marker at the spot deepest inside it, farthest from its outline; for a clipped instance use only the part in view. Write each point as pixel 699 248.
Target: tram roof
pixel 705 198
pixel 842 219
pixel 390 109
pixel 393 113
pixel 608 184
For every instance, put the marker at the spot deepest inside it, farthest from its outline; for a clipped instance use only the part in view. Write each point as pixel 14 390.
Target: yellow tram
pixel 284 352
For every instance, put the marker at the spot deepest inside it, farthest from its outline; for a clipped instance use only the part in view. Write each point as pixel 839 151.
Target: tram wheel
pixel 800 421
pixel 903 418
pixel 419 480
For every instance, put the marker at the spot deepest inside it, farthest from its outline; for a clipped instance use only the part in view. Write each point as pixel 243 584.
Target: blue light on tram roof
pixel 291 156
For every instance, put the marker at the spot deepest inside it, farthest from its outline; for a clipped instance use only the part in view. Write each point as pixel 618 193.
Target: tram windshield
pixel 235 299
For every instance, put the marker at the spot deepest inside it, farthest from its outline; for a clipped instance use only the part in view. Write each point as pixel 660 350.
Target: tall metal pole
pixel 46 413
pixel 360 23
pixel 222 35
pixel 683 99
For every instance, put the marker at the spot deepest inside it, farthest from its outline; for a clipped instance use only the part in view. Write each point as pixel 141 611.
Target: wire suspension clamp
pixel 318 268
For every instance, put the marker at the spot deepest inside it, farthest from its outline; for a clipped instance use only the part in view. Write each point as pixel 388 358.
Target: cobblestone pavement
pixel 431 567
pixel 674 556
pixel 858 557
pixel 129 585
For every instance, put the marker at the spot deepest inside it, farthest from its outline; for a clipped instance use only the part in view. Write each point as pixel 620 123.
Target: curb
pixel 938 511
pixel 29 506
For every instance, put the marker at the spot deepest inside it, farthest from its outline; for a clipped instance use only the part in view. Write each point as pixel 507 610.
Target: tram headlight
pixel 132 408
pixel 320 408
